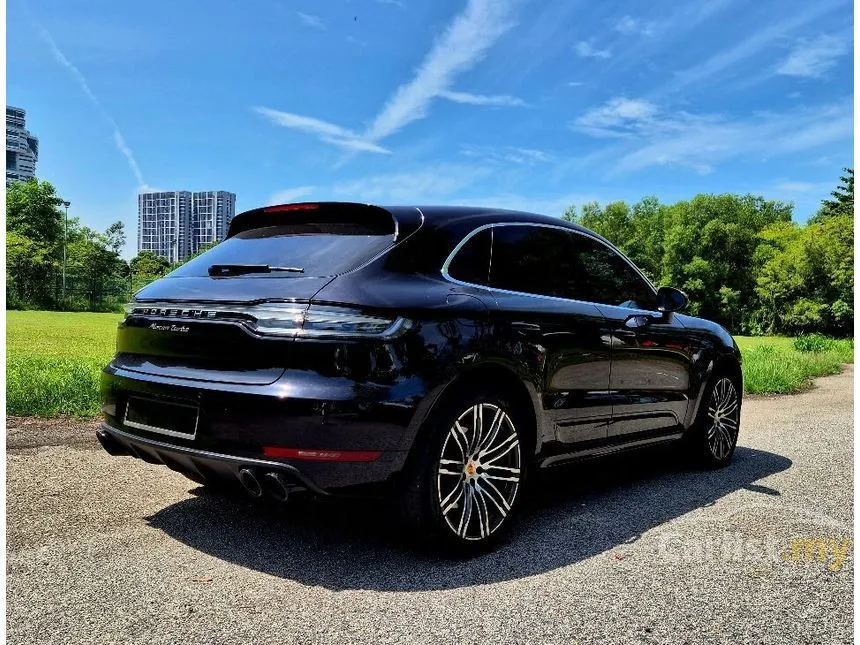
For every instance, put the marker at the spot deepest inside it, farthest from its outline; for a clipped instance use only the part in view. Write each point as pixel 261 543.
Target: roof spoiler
pixel 365 218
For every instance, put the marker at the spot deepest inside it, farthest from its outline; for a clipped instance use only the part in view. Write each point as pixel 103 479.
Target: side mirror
pixel 670 300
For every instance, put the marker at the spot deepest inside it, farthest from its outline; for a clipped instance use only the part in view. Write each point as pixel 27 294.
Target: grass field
pixel 773 366
pixel 53 362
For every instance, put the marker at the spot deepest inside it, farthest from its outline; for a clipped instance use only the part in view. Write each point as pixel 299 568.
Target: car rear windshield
pixel 316 250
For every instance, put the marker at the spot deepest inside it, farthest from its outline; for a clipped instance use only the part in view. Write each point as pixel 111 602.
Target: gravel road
pixel 633 550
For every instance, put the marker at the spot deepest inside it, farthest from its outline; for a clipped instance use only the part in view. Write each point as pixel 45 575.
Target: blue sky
pixel 532 104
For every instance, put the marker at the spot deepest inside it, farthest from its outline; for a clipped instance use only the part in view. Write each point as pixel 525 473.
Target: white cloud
pixel 432 184
pixel 812 57
pixel 309 20
pixel 463 44
pixel 649 136
pixel 630 26
pixel 751 46
pixel 118 139
pixel 327 132
pixel 508 154
pixel 498 100
pixel 585 49
pixel 619 117
pixel 396 3
pixel 702 141
pixel 575 83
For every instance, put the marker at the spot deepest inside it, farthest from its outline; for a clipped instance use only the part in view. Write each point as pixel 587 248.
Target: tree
pixel 200 251
pixel 93 265
pixel 28 272
pixel 709 244
pixel 147 263
pixel 570 214
pixel 843 199
pixel 33 210
pixel 115 237
pixel 806 279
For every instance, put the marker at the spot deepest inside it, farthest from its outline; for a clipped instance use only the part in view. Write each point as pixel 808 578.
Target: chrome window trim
pixel 446 265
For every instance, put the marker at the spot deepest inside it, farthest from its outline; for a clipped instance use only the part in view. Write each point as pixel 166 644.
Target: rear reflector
pixel 291 207
pixel 321 455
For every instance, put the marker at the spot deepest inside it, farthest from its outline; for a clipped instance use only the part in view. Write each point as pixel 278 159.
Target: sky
pixel 526 104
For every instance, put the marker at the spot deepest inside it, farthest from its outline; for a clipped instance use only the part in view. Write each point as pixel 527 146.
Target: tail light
pixel 284 320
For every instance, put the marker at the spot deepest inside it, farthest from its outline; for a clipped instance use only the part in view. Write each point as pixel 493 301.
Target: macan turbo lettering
pixel 436 354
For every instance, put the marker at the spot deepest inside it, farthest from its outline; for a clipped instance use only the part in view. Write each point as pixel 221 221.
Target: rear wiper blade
pixel 241 269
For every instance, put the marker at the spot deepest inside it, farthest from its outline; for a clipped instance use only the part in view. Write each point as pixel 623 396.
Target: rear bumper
pixel 200 463
pixel 241 426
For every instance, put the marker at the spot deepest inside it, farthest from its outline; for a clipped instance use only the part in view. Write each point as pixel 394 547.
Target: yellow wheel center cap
pixel 471 469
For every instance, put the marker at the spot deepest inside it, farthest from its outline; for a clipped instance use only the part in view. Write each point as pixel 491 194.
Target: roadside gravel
pixel 633 550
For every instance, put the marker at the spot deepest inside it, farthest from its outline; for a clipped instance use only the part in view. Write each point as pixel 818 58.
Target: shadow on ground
pixel 574 513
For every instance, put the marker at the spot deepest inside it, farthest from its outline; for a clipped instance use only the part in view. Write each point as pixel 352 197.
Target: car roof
pixel 441 216
pixel 475 216
pixel 411 217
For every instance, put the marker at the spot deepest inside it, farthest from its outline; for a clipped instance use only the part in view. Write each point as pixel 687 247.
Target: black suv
pixel 437 353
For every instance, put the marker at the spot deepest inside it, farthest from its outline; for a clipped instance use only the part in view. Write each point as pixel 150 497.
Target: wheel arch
pixel 724 364
pixel 521 393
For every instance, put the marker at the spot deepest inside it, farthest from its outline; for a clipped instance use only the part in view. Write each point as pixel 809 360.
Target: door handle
pixel 525 326
pixel 642 320
pixel 634 322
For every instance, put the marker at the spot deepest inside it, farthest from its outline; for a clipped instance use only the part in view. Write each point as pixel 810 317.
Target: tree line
pixel 741 259
pixel 54 262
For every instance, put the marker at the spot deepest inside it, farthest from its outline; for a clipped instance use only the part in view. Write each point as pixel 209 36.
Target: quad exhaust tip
pixel 250 482
pixel 277 486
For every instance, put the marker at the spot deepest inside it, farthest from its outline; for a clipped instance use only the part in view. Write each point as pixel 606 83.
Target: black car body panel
pixel 339 410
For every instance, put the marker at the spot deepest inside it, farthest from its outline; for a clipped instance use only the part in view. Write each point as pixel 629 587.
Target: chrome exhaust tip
pixel 250 482
pixel 277 486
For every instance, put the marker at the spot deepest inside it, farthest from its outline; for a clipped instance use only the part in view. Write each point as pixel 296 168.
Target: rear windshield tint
pixel 319 251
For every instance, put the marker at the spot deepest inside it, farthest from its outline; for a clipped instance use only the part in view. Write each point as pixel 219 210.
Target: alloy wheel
pixel 724 415
pixel 479 471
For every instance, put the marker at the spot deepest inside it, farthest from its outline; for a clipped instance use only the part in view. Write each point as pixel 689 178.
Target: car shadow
pixel 573 513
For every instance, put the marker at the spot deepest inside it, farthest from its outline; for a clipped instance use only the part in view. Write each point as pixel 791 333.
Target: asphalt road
pixel 635 550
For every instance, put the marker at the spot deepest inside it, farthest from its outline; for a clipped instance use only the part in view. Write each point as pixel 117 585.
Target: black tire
pixel 712 440
pixel 490 498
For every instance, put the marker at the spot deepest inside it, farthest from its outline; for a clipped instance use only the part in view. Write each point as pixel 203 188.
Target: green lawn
pixel 773 366
pixel 53 362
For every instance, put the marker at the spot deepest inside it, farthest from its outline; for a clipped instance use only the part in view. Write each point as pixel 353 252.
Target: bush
pixel 812 343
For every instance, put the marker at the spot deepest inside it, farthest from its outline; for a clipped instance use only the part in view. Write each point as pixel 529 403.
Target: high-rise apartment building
pixel 22 148
pixel 176 224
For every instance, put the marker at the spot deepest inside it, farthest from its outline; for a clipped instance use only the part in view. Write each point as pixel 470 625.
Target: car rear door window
pixel 533 259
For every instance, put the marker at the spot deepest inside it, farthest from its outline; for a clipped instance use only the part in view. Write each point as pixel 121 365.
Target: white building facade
pixel 177 224
pixel 22 148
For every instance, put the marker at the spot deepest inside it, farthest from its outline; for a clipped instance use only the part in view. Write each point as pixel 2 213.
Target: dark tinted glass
pixel 533 259
pixel 472 262
pixel 607 278
pixel 319 253
pixel 563 264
